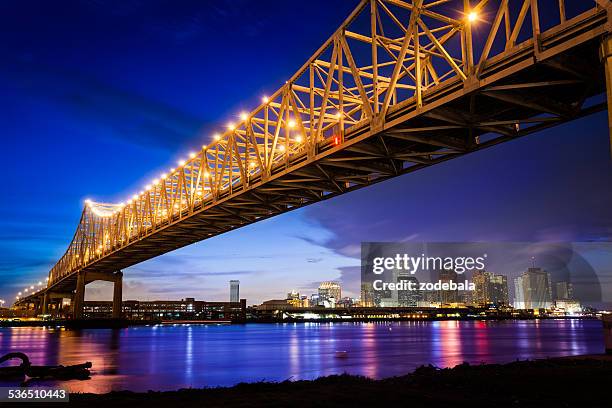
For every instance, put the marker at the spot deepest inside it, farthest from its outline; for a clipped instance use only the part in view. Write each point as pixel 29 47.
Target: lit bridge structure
pixel 401 85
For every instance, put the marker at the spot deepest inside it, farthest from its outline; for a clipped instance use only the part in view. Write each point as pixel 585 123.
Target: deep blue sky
pixel 97 97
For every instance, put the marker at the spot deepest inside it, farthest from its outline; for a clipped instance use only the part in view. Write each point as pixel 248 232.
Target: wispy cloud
pixel 117 113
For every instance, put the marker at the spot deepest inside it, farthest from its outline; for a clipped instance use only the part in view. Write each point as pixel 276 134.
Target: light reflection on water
pixel 171 357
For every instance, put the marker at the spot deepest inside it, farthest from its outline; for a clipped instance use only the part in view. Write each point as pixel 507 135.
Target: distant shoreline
pixel 122 323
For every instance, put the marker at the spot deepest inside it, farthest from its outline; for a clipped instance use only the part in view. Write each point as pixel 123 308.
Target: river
pixel 177 356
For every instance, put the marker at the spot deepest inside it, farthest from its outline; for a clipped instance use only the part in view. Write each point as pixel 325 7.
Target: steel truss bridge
pixel 399 86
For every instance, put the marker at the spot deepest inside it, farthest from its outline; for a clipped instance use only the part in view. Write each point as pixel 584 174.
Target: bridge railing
pixel 386 54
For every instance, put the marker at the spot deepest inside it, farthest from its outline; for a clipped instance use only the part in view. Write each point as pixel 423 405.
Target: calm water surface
pixel 171 357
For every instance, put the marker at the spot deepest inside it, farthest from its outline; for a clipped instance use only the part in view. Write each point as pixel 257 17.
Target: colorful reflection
pixel 171 357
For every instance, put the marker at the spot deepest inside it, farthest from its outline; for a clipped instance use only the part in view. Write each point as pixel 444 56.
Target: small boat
pixel 341 354
pixel 26 369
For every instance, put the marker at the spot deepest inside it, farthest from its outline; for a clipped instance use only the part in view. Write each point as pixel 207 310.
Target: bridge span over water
pixel 399 86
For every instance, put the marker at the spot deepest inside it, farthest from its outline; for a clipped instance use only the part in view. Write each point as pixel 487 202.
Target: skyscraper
pixel 481 287
pixel 367 295
pixel 498 290
pixel 330 289
pixel 448 296
pixel 234 291
pixel 519 297
pixel 533 290
pixel 490 288
pixel 564 291
pixel 408 298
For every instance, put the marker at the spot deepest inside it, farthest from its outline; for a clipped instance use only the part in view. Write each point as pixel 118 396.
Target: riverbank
pixel 79 324
pixel 566 382
pixel 123 323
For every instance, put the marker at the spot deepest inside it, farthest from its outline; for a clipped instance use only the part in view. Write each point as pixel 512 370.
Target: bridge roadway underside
pixel 515 95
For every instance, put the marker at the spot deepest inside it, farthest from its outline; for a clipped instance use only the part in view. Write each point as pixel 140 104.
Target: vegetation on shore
pixel 541 383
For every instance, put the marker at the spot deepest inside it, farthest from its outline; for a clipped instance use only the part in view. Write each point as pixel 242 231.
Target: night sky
pixel 97 98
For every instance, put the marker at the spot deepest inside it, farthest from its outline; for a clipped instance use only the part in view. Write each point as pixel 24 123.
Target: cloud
pixel 228 273
pixel 410 237
pixel 16 265
pixel 350 280
pixel 119 114
pixel 352 250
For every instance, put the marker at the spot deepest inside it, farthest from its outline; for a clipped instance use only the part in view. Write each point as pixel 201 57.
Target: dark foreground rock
pixel 541 383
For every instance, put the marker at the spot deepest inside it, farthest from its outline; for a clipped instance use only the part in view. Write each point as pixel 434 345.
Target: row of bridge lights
pixel 472 17
pixel 291 124
pixel 30 290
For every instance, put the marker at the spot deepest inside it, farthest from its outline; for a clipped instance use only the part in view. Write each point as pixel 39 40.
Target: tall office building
pixel 448 296
pixel 234 291
pixel 429 298
pixel 408 298
pixel 330 289
pixel 564 291
pixel 481 287
pixel 533 290
pixel 519 297
pixel 490 288
pixel 498 290
pixel 367 295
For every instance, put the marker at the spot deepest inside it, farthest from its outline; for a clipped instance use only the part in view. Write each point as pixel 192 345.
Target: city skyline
pixel 533 289
pixel 85 106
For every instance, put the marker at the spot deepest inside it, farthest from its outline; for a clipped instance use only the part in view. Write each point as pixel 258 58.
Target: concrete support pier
pixel 79 297
pixel 45 303
pixel 83 278
pixel 117 295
